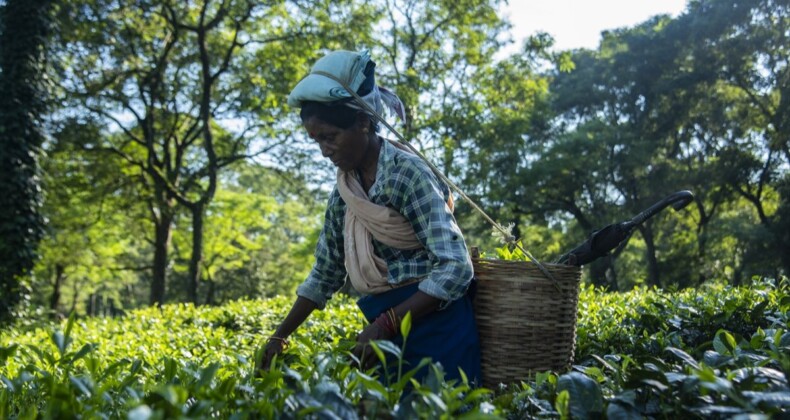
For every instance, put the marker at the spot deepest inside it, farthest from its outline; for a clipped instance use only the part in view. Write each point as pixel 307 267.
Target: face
pixel 346 148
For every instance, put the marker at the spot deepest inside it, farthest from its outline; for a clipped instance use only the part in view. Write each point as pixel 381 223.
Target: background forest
pixel 148 154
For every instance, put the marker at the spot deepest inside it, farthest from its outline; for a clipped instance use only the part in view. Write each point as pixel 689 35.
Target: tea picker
pixel 526 311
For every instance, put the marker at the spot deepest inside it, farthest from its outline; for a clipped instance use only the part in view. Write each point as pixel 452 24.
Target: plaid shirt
pixel 406 184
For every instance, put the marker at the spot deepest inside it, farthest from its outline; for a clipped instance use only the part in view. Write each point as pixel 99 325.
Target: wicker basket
pixel 525 324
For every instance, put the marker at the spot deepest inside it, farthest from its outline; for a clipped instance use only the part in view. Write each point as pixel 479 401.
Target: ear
pixel 363 122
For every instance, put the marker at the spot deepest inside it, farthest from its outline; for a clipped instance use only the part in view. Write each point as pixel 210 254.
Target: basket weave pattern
pixel 525 324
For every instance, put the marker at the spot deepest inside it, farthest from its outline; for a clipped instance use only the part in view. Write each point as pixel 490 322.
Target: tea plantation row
pixel 714 352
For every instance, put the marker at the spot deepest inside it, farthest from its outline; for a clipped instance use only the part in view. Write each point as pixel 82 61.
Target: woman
pixel 388 227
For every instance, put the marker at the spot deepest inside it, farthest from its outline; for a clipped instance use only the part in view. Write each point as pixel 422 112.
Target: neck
pixel 371 159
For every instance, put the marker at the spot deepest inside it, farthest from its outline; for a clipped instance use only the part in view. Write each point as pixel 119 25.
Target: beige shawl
pixel 365 220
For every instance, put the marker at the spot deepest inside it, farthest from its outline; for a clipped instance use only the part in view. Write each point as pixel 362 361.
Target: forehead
pixel 318 126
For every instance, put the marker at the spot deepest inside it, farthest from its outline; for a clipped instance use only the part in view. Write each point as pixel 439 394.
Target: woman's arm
pixel 419 304
pixel 324 279
pixel 299 312
pixel 329 272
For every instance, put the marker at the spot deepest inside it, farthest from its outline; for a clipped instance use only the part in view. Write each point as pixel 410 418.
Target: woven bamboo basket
pixel 526 325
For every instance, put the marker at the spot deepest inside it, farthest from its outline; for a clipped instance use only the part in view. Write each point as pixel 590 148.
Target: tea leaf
pixel 682 355
pixel 405 325
pixel 584 393
pixel 561 404
pixel 618 411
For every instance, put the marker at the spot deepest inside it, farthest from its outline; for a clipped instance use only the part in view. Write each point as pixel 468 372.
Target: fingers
pixel 364 356
pixel 363 352
pixel 369 358
pixel 358 353
pixel 267 361
pixel 272 349
pixel 268 358
pixel 263 365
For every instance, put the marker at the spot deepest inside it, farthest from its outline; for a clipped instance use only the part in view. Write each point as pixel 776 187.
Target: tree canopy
pixel 173 170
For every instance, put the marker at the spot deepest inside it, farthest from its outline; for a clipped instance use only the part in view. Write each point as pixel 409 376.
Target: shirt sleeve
pixel 424 204
pixel 329 271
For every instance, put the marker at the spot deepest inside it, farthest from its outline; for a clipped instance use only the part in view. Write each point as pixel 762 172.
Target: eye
pixel 326 138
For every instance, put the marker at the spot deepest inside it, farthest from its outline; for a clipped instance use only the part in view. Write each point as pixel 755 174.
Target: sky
pixel 578 23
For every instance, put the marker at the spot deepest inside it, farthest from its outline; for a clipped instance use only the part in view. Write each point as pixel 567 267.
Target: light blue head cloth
pixel 350 67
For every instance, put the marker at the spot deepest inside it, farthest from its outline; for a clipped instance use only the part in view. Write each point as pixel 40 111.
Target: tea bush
pixel 717 351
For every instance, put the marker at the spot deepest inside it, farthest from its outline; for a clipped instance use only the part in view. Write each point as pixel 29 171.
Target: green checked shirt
pixel 406 184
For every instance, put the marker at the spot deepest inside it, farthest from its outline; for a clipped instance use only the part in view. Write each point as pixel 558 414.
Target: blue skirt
pixel 448 336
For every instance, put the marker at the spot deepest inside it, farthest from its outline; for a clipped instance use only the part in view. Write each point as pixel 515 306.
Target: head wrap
pixel 356 69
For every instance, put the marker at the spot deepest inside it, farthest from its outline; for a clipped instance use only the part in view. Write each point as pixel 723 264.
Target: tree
pixel 429 50
pixel 748 66
pixel 440 57
pixel 24 29
pixel 689 103
pixel 260 236
pixel 93 245
pixel 175 79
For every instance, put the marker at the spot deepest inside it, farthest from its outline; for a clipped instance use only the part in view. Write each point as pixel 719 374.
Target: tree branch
pixel 763 108
pixel 131 268
pixel 117 122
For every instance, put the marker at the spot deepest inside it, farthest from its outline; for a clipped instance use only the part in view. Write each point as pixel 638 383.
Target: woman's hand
pixel 273 348
pixel 275 344
pixel 363 352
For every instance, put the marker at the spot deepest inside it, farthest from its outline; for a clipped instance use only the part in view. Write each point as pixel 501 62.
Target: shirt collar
pixel 383 166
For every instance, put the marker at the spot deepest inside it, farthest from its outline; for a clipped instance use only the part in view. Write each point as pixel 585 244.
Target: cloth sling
pixel 365 220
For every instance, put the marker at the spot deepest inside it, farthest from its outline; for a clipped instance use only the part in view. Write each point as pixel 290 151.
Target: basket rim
pixel 511 262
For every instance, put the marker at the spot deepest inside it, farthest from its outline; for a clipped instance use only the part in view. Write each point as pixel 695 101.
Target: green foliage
pixel 575 140
pixel 260 237
pixel 260 234
pixel 94 242
pixel 184 90
pixel 694 102
pixel 142 106
pixel 429 52
pixel 509 252
pixel 718 352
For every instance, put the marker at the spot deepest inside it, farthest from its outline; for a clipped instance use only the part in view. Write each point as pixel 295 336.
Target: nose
pixel 325 151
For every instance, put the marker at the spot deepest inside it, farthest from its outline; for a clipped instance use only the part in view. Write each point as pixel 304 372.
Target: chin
pixel 343 166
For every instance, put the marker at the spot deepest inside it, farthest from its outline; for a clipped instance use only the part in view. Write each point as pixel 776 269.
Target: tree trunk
pixel 55 299
pixel 75 297
pixel 129 301
pixel 161 246
pixel 705 216
pixel 611 274
pixel 99 309
pixel 90 309
pixel 782 231
pixel 210 293
pixel 653 272
pixel 598 272
pixel 702 248
pixel 737 275
pixel 195 262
